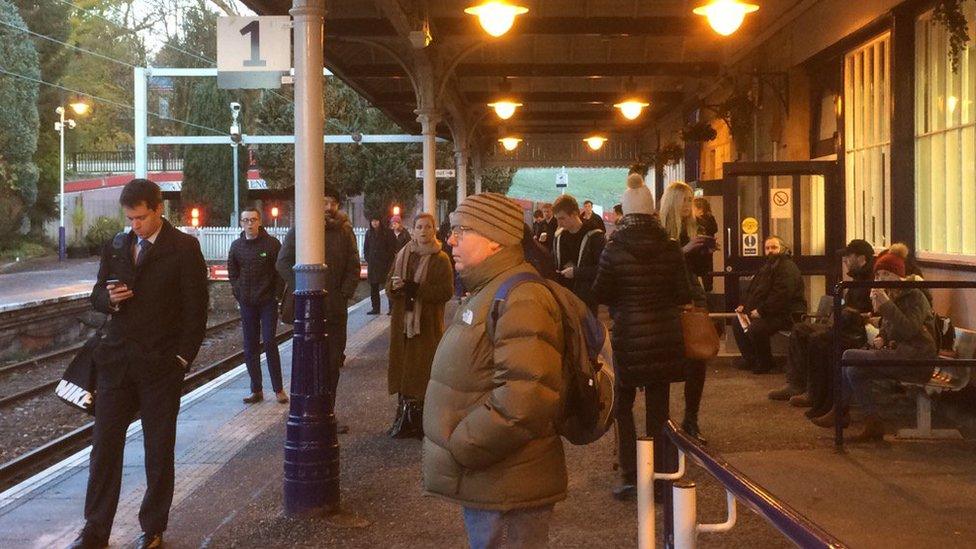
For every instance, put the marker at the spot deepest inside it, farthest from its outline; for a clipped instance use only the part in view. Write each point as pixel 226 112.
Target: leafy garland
pixel 949 14
pixel 667 155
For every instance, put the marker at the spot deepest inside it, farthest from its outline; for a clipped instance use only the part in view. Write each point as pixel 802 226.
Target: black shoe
pixel 389 313
pixel 87 541
pixel 373 312
pixel 784 393
pixel 149 541
pixel 690 426
pixel 255 397
pixel 625 492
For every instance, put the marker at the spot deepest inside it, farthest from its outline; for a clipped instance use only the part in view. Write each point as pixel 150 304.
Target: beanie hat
pixel 494 216
pixel 891 262
pixel 637 198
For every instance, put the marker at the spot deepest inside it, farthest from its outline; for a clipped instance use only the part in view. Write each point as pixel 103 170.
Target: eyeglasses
pixel 250 219
pixel 458 232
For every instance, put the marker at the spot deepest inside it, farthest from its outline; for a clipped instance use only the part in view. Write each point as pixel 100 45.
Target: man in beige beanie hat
pixel 492 447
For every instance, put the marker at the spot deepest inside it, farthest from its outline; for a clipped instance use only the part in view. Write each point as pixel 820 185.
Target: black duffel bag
pixel 77 385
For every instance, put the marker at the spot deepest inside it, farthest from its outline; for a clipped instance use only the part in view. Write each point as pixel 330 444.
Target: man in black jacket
pixel 775 297
pixel 811 344
pixel 576 251
pixel 152 282
pixel 252 274
pixel 341 279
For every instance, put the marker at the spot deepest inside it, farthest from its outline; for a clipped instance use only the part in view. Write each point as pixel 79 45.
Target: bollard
pixel 645 493
pixel 685 498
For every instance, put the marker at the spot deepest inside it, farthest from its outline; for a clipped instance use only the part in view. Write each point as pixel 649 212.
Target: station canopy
pixel 568 62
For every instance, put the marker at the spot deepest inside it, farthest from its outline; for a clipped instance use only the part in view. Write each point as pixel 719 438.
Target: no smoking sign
pixel 781 203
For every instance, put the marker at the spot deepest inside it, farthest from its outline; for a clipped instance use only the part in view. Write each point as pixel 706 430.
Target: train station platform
pixel 229 475
pixel 44 280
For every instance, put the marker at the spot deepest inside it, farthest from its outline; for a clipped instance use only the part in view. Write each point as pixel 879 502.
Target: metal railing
pixel 838 352
pixel 102 162
pixel 215 241
pixel 680 516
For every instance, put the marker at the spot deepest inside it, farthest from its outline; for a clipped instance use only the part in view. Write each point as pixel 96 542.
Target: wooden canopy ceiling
pixel 567 61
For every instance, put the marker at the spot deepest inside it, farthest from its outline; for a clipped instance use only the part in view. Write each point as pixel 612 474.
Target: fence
pixel 98 162
pixel 215 241
pixel 681 527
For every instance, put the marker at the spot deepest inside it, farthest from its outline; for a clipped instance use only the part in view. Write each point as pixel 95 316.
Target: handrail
pixel 794 526
pixel 840 362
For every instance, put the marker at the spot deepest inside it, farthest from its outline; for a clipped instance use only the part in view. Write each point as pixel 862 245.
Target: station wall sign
pixel 750 225
pixel 439 174
pixel 750 245
pixel 562 180
pixel 781 203
pixel 253 52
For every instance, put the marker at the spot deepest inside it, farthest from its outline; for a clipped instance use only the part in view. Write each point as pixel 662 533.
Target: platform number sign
pixel 750 245
pixel 253 52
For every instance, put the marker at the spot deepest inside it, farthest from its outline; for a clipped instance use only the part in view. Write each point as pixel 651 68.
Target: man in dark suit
pixel 153 283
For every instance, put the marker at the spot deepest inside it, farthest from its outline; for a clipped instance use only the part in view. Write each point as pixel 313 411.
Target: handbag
pixel 77 385
pixel 701 338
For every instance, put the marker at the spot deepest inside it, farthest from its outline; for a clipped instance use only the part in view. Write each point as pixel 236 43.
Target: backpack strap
pixel 586 238
pixel 555 247
pixel 502 293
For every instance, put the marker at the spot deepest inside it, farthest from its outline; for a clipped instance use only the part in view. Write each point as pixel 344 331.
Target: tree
pixel 208 177
pixel 49 19
pixel 18 124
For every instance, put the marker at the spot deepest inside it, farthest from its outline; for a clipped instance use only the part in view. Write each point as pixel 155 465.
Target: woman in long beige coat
pixel 420 283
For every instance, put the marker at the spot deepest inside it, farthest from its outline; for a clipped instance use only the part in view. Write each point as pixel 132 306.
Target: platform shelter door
pixel 802 202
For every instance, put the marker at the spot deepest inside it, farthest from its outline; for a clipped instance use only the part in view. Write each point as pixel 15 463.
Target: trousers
pixel 859 379
pixel 657 398
pixel 260 325
pixel 158 398
pixel 517 528
pixel 754 344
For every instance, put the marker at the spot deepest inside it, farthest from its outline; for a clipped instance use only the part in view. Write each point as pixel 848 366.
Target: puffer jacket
pixel 907 325
pixel 251 269
pixel 492 400
pixel 777 291
pixel 643 279
pixel 341 257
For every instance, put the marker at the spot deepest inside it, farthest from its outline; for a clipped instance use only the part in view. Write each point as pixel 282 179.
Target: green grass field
pixel 604 186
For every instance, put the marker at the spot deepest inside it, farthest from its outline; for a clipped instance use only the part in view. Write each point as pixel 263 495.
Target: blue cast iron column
pixel 311 449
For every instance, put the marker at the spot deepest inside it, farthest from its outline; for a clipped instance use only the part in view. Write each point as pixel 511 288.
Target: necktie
pixel 144 246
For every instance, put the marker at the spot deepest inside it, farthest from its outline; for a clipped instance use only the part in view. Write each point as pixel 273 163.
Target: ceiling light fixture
pixel 495 16
pixel 504 108
pixel 631 108
pixel 725 16
pixel 595 142
pixel 510 143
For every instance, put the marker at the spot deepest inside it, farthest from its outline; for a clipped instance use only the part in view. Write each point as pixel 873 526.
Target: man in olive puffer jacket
pixel 489 422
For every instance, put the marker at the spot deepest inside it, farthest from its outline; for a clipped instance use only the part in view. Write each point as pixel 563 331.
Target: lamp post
pixel 235 139
pixel 59 126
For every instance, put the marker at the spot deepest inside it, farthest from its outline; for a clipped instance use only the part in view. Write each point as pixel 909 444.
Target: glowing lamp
pixel 274 211
pixel 725 16
pixel 195 217
pixel 595 142
pixel 504 108
pixel 495 16
pixel 510 143
pixel 80 107
pixel 631 108
pixel 396 210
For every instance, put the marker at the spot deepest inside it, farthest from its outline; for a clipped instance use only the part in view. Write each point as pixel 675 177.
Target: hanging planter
pixel 949 14
pixel 698 132
pixel 738 112
pixel 667 155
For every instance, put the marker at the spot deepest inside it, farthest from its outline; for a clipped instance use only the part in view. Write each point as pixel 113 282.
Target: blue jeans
pixel 517 528
pixel 860 379
pixel 260 323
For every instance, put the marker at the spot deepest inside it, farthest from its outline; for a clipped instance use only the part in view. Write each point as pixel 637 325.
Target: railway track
pixel 30 462
pixel 50 385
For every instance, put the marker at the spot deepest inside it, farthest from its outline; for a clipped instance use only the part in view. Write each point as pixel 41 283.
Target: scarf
pixel 401 268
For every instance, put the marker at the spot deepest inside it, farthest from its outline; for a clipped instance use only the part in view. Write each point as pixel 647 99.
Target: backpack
pixel 587 394
pixel 555 247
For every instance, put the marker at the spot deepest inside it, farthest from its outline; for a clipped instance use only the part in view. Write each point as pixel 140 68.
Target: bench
pixel 944 379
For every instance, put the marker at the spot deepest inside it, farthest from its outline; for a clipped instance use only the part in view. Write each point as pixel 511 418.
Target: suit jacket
pixel 167 315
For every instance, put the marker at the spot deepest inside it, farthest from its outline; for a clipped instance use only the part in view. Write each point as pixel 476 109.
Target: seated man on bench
pixel 807 378
pixel 774 297
pixel 907 332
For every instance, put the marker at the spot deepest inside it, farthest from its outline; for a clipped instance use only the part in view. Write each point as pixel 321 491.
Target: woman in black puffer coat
pixel 643 279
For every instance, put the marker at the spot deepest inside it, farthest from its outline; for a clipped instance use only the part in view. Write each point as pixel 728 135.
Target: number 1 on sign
pixel 254 29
